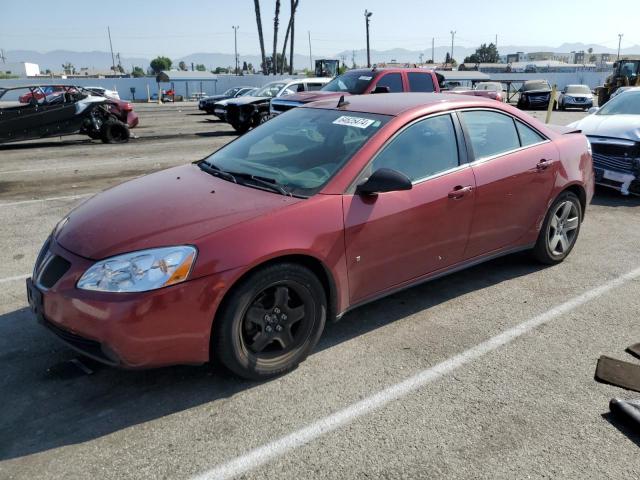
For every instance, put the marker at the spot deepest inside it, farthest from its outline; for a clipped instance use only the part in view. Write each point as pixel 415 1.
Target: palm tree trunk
pixel 292 22
pixel 294 6
pixel 256 4
pixel 276 20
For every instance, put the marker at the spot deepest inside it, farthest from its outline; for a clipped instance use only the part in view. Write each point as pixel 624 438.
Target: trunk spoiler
pixel 562 130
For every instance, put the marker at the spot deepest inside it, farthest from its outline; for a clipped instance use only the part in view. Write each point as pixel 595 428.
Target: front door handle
pixel 543 164
pixel 460 191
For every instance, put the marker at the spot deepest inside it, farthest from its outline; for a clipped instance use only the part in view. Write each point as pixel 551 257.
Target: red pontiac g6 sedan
pixel 242 256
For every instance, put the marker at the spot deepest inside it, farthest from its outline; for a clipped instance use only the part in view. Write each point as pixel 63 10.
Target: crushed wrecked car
pixel 614 134
pixel 220 107
pixel 67 110
pixel 534 94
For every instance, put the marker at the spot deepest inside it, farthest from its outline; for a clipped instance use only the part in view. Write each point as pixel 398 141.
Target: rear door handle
pixel 460 191
pixel 543 164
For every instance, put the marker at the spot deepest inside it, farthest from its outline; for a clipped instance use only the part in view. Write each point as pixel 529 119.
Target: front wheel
pixel 560 230
pixel 270 322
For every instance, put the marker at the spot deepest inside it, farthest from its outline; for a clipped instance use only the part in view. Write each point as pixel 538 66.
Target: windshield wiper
pixel 267 182
pixel 217 172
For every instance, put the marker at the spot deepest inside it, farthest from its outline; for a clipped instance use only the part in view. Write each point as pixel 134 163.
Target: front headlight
pixel 140 271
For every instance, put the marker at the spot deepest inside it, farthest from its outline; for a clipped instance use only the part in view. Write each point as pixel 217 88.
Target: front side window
pixel 391 80
pixel 420 82
pixel 270 89
pixel 491 133
pixel 627 103
pixel 300 150
pixel 421 150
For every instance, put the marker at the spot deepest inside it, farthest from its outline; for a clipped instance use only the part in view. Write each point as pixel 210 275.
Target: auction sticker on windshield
pixel 357 122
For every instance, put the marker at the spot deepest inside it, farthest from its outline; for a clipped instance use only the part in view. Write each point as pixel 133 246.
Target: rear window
pixel 420 82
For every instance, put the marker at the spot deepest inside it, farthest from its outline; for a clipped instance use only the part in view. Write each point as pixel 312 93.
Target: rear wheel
pixel 270 322
pixel 560 230
pixel 114 131
pixel 241 127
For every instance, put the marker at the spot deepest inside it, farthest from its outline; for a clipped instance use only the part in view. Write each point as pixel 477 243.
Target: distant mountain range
pixel 97 60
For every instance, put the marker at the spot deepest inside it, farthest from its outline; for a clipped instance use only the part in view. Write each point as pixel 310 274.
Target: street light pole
pixel 367 16
pixel 235 41
pixel 620 35
pixel 453 34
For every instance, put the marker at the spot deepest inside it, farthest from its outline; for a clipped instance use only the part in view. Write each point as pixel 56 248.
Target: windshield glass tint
pixel 351 82
pixel 494 87
pixel 579 89
pixel 627 103
pixel 536 86
pixel 301 149
pixel 270 89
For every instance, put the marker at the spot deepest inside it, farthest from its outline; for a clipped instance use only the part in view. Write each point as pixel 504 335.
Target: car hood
pixel 615 126
pixel 529 92
pixel 248 100
pixel 181 205
pixel 306 97
pixel 214 98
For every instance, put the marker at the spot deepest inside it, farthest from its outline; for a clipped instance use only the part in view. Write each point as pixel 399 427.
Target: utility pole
pixel 421 55
pixel 453 34
pixel 2 57
pixel 235 42
pixel 620 35
pixel 367 16
pixel 113 59
pixel 310 61
pixel 353 58
pixel 433 49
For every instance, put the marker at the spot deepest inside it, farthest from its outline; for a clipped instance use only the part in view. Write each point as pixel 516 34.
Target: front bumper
pixel 132 119
pixel 167 326
pixel 616 164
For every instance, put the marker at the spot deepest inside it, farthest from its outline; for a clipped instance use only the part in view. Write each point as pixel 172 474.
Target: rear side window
pixel 528 136
pixel 312 87
pixel 420 82
pixel 423 149
pixel 490 133
pixel 391 80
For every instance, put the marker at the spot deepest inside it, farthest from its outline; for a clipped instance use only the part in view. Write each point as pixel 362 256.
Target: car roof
pixel 396 103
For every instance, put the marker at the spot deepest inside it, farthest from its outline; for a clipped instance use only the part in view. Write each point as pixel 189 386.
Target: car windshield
pixel 230 92
pixel 578 89
pixel 494 87
pixel 351 82
pixel 270 89
pixel 300 150
pixel 625 104
pixel 541 85
pixel 251 91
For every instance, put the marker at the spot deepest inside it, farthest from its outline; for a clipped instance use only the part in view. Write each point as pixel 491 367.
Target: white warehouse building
pixel 20 69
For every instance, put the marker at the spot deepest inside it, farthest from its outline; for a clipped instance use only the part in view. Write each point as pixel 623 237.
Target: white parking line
pixel 36 200
pixel 261 455
pixel 70 167
pixel 13 279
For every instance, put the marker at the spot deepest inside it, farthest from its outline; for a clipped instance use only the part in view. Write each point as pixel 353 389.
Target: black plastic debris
pixel 627 411
pixel 619 373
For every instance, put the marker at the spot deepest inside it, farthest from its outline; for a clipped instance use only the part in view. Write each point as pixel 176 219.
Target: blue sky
pixel 175 28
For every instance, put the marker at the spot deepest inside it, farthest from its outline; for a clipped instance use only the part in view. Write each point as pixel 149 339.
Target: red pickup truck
pixel 363 81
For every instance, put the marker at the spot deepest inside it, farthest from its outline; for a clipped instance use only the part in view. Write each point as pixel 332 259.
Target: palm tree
pixel 276 20
pixel 256 4
pixel 294 6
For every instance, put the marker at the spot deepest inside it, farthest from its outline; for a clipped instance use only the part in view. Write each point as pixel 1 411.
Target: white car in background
pixel 575 96
pixel 614 134
pixel 104 92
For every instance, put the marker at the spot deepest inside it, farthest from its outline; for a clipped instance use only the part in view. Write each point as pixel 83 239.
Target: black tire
pixel 261 332
pixel 550 247
pixel 94 135
pixel 241 127
pixel 114 131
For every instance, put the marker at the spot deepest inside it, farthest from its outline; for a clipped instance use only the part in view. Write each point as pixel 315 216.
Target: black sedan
pixel 534 94
pixel 207 103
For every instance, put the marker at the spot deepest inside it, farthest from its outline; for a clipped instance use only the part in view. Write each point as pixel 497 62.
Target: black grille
pixel 43 252
pixel 90 348
pixel 52 271
pixel 616 150
pixel 279 107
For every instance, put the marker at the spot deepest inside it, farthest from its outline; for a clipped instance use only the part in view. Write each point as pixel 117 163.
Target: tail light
pixel 128 107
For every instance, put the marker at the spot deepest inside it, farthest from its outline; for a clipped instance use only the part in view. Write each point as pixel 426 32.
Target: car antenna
pixel 342 102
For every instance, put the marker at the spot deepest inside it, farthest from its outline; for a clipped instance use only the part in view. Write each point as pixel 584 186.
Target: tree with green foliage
pixel 484 54
pixel 220 70
pixel 159 64
pixel 137 72
pixel 201 68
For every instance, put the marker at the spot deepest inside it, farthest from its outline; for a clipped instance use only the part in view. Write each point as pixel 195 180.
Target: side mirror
pixel 593 110
pixel 384 180
pixel 381 89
